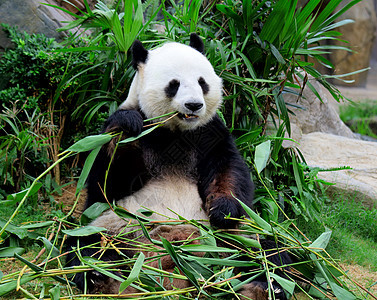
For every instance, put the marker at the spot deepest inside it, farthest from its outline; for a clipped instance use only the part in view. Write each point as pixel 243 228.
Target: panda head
pixel 175 77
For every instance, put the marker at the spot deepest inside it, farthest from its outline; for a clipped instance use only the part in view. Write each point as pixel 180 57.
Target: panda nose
pixel 194 106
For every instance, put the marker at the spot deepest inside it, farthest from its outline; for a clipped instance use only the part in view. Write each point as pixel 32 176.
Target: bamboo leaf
pixel 225 262
pixel 55 292
pixel 322 241
pixel 18 231
pixel 7 287
pixel 131 139
pixel 174 256
pixel 86 169
pixel 341 293
pixel 37 225
pixel 206 248
pixel 253 215
pixel 10 251
pixel 262 154
pixel 134 274
pixel 93 212
pixel 17 197
pixel 84 231
pixel 297 175
pixel 248 137
pixel 245 241
pixel 90 142
pixel 49 246
pixel 286 284
pixel 120 211
pixel 38 269
pixel 99 269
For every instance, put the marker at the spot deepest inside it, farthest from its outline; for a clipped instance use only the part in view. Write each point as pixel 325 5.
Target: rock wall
pixel 35 17
pixel 361 37
pixel 374 50
pixel 311 114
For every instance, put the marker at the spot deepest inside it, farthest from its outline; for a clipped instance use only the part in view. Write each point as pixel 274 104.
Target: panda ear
pixel 139 54
pixel 196 42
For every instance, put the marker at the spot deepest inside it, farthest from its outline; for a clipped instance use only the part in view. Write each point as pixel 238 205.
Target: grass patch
pixel 357 110
pixel 354 232
pixel 358 116
pixel 354 249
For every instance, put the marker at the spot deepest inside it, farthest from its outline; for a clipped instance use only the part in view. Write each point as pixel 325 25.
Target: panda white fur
pixel 189 167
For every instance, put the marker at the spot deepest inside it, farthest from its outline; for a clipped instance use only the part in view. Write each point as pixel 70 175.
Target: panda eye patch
pixel 172 88
pixel 204 85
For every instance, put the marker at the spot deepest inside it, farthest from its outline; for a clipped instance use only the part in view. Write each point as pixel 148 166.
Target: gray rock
pixel 33 17
pixel 326 142
pixel 331 151
pixel 314 115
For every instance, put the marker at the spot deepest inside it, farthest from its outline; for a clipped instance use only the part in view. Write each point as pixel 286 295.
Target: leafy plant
pixel 260 58
pixel 31 74
pixel 22 143
pixel 101 83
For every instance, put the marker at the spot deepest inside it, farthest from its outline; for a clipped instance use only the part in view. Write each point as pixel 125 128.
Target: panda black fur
pixel 190 166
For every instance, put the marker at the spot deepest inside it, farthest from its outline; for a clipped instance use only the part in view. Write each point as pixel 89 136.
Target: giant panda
pixel 189 167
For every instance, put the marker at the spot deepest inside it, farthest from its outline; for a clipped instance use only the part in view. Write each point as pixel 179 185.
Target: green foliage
pixel 23 152
pixel 353 217
pixel 260 58
pixel 36 113
pixel 31 64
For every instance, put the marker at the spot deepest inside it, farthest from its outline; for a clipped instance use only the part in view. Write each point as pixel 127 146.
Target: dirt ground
pixel 67 199
pixel 364 277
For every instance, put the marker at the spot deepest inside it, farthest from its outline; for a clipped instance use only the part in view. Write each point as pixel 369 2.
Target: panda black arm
pixel 127 120
pixel 126 174
pixel 222 174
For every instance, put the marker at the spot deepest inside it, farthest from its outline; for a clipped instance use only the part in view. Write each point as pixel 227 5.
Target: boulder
pixel 326 150
pixel 33 16
pixel 326 142
pixel 311 114
pixel 361 35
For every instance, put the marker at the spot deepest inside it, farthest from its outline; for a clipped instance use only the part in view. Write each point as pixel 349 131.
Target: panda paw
pixel 128 121
pixel 220 209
